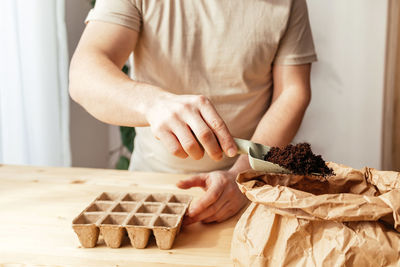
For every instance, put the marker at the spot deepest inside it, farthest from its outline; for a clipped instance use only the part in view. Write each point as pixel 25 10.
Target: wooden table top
pixel 37 205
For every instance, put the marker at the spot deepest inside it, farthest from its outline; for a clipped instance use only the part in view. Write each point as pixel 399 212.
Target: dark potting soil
pixel 299 159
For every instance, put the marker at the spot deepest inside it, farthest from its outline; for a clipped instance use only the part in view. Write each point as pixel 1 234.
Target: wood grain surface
pixel 37 205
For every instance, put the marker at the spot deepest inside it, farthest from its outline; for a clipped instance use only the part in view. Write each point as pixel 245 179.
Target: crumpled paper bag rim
pixel 341 207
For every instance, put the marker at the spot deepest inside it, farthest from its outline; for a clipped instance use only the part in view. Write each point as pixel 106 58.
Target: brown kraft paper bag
pixel 349 219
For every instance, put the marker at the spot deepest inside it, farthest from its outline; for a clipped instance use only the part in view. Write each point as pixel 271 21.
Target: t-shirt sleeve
pixel 121 12
pixel 296 45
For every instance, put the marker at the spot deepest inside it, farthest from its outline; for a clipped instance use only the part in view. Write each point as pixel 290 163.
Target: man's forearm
pixel 282 120
pixel 107 93
pixel 280 123
pixel 187 125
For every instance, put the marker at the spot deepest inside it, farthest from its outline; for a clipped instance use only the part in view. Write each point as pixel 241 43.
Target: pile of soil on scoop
pixel 299 159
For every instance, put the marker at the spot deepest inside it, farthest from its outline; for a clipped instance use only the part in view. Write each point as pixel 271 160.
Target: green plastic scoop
pixel 256 153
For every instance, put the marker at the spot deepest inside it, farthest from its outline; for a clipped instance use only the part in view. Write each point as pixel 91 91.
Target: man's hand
pixel 188 124
pixel 221 201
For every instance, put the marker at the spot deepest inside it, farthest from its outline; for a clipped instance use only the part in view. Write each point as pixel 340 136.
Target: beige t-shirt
pixel 223 49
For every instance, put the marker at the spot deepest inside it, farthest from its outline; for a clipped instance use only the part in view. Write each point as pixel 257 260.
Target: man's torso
pixel 222 49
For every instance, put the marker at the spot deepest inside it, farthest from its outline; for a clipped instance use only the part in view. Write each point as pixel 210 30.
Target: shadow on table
pixel 200 235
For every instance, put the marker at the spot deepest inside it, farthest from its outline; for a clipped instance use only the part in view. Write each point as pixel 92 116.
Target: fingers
pixel 216 216
pixel 211 196
pixel 188 220
pixel 188 141
pixel 212 210
pixel 222 199
pixel 172 144
pixel 187 125
pixel 205 136
pixel 223 214
pixel 228 214
pixel 197 180
pixel 219 128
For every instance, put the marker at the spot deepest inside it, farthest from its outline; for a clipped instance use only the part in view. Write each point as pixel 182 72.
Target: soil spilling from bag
pixel 299 159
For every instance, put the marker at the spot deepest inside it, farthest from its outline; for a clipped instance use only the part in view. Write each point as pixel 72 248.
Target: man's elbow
pixel 74 88
pixel 306 98
pixel 301 97
pixel 73 91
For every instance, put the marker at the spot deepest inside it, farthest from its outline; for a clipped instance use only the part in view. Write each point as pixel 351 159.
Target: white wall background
pixel 344 120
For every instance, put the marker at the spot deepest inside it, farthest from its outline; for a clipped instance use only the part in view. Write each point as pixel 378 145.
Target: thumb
pixel 197 180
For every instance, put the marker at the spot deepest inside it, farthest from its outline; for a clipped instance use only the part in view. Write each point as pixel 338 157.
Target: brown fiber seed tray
pixel 113 215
